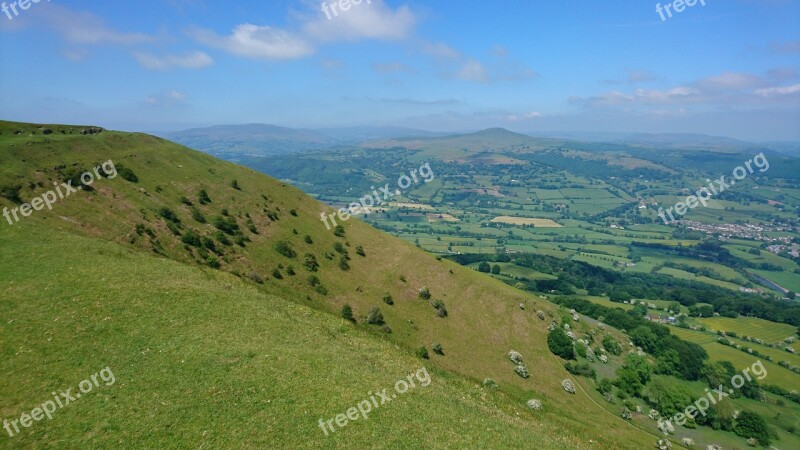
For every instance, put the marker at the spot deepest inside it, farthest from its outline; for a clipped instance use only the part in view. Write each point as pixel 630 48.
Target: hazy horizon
pixel 725 69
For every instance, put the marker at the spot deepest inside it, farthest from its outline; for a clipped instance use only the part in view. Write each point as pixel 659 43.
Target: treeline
pixel 675 356
pixel 620 287
pixel 708 251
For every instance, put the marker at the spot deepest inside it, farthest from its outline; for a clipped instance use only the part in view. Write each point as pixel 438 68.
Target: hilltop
pixel 214 293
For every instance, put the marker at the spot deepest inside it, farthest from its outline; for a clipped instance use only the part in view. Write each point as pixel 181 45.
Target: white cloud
pixel 364 21
pixel 473 71
pixel 256 42
pixel 373 20
pixel 80 27
pixel 775 91
pixel 167 98
pixel 525 116
pixel 730 80
pixel 439 50
pixel 191 60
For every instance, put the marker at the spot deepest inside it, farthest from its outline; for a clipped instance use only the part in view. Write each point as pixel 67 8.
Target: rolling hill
pixel 213 293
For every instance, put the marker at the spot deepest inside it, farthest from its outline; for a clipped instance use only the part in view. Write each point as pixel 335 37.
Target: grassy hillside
pixel 250 355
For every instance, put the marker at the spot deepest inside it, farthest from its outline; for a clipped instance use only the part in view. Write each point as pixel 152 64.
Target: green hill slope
pixel 248 355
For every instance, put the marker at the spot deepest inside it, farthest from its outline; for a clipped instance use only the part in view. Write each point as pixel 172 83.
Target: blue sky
pixel 728 68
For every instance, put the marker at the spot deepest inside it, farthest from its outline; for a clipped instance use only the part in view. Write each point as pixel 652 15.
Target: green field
pixel 751 326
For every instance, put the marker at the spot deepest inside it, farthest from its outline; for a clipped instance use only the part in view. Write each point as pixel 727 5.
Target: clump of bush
pixel 611 345
pixel 126 173
pixel 169 215
pixel 197 215
pixel 375 316
pixel 347 313
pixel 310 262
pixel 285 249
pixel 213 262
pixel 522 371
pixel 227 225
pixel 388 299
pixel 11 192
pixel 338 231
pixel 203 198
pixel 581 369
pixel 191 238
pixel 422 352
pixel 437 348
pixel 256 277
pixel 277 274
pixel 560 344
pixel 360 251
pixel 425 293
pixel 441 310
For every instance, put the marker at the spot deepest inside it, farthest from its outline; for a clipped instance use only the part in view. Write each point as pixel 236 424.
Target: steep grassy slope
pixel 105 280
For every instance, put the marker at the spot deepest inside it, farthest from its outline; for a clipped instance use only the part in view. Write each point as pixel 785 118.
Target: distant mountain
pixel 361 134
pixel 251 139
pixel 469 145
pixel 231 141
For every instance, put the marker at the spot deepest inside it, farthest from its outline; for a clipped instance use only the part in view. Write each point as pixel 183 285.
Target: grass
pixel 538 223
pixel 225 362
pixel 751 326
pixel 191 349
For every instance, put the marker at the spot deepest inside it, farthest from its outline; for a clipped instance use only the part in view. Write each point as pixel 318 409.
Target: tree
pixel 751 425
pixel 347 313
pixel 605 386
pixel 669 399
pixel 484 267
pixel 496 269
pixel 634 375
pixel 644 337
pixel 611 345
pixel 668 363
pixel 560 344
